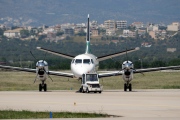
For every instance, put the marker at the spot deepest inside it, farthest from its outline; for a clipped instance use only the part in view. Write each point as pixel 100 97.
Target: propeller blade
pixel 48 75
pixel 35 78
pixel 44 56
pixel 33 56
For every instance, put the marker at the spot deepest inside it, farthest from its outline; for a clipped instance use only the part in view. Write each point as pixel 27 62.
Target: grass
pixel 11 114
pixel 23 81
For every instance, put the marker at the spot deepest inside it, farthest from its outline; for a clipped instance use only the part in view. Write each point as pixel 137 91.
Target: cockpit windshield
pixel 91 77
pixel 78 61
pixel 86 61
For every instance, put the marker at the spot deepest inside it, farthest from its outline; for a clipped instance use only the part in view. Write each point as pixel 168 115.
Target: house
pixel 94 32
pixel 13 33
pixel 175 26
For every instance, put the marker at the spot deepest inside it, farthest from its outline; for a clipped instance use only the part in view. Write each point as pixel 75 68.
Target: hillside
pixel 75 11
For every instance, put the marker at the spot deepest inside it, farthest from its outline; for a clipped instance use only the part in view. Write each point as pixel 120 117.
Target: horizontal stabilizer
pixel 56 53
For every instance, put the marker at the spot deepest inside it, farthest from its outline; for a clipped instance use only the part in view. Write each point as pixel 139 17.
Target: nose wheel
pixel 43 86
pixel 127 86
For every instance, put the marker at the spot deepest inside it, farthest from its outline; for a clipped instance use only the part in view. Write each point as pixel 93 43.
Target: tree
pixel 24 33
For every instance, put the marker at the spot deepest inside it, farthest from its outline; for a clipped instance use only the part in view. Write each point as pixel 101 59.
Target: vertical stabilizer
pixel 88 37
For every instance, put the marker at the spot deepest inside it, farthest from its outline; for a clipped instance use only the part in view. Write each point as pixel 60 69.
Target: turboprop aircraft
pixel 85 63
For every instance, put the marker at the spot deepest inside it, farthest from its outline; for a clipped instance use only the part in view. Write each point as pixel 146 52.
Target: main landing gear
pixel 43 86
pixel 127 86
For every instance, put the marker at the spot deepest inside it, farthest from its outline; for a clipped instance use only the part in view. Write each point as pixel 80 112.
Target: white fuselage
pixel 84 63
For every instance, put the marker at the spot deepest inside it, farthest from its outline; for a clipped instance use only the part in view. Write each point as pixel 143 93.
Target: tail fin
pixel 88 37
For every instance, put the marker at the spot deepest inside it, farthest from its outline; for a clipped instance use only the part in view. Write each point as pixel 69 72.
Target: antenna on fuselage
pixel 88 37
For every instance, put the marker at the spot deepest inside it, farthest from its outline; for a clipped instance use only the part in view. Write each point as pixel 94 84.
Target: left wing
pixel 18 68
pixel 109 74
pixel 70 75
pixel 116 73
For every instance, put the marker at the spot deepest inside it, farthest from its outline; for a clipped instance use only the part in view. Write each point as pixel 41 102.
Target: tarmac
pixel 140 104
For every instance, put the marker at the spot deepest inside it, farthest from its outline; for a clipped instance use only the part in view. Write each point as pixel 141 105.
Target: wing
pixel 155 69
pixel 56 53
pixel 109 74
pixel 18 68
pixel 70 75
pixel 117 54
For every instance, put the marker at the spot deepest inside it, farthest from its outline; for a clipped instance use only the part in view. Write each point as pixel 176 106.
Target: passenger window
pixel 78 61
pixel 86 61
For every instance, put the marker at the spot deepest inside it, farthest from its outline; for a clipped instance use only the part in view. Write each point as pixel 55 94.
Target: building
pixel 110 24
pixel 13 33
pixel 110 32
pixel 152 34
pixel 171 49
pixel 175 26
pixel 121 24
pixel 141 32
pixel 128 33
pixel 94 32
pixel 137 25
pixel 69 31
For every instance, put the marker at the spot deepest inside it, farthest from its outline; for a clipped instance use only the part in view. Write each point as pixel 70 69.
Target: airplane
pixel 86 63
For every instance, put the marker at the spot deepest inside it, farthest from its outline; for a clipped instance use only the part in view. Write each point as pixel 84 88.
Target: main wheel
pixel 125 87
pixel 83 90
pixel 87 90
pixel 80 89
pixel 40 87
pixel 130 87
pixel 45 87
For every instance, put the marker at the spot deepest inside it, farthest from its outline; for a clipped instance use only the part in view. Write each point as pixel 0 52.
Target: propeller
pixel 43 67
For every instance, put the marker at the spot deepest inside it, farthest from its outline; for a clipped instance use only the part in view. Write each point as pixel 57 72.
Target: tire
pixel 99 91
pixel 83 90
pixel 87 90
pixel 40 87
pixel 130 87
pixel 45 87
pixel 80 90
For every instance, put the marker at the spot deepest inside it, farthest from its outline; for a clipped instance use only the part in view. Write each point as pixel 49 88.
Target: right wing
pixel 70 75
pixel 18 68
pixel 56 53
pixel 101 58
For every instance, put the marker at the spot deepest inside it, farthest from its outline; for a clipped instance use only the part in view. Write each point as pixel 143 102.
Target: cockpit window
pixel 78 61
pixel 92 61
pixel 72 61
pixel 86 61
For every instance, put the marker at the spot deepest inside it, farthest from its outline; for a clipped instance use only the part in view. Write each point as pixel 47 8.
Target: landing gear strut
pixel 43 86
pixel 127 86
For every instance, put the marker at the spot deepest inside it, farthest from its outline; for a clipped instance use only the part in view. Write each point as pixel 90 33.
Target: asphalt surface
pixel 138 104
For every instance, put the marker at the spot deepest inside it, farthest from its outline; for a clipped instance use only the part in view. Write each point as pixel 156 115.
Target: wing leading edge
pixel 56 53
pixel 18 68
pixel 116 73
pixel 101 58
